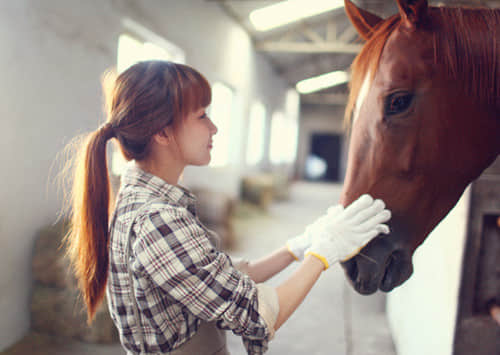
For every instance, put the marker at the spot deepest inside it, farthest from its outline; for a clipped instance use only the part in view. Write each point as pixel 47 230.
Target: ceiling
pixel 319 44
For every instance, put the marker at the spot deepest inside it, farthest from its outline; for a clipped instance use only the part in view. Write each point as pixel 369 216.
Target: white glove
pixel 344 235
pixel 299 244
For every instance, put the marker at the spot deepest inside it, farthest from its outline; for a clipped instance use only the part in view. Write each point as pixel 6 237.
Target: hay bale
pixel 257 189
pixel 48 264
pixel 56 305
pixel 60 311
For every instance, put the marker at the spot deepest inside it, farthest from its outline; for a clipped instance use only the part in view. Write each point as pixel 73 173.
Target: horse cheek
pixel 358 165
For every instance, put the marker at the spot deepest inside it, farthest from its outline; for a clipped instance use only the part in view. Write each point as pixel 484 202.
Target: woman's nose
pixel 213 128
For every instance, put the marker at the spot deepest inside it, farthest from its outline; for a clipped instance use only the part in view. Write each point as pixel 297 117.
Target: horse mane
pixel 466 44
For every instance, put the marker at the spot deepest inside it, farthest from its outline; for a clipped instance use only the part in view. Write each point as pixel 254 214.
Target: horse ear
pixel 362 20
pixel 413 12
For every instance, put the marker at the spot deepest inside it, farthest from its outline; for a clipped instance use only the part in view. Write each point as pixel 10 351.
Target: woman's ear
pixel 163 137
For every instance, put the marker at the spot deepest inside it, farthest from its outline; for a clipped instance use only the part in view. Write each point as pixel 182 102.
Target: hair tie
pixel 107 130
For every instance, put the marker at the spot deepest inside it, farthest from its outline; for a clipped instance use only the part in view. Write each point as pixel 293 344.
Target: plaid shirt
pixel 180 278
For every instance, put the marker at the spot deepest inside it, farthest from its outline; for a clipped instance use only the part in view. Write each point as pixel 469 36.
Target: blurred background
pixel 279 93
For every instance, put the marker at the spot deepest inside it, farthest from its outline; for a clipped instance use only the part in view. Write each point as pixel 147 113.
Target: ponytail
pixel 87 239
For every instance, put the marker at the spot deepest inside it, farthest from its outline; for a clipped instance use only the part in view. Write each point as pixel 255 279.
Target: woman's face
pixel 194 138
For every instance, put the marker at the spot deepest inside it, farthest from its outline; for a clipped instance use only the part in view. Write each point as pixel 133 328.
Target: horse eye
pixel 397 102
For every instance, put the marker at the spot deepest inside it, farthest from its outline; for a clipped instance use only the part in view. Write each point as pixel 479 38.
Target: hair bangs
pixel 195 91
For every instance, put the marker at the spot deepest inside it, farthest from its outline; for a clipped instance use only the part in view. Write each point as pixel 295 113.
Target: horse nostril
pixel 389 262
pixel 396 256
pixel 397 269
pixel 351 268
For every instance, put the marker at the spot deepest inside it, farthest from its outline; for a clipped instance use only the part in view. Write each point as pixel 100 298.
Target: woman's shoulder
pixel 139 206
pixel 160 205
pixel 161 211
pixel 173 224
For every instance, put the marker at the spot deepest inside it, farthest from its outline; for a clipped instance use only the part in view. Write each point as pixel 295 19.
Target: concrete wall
pixel 53 53
pixel 422 312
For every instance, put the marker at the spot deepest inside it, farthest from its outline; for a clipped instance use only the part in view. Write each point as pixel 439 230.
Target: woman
pixel 169 288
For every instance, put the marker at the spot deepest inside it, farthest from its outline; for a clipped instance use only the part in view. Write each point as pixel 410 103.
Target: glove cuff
pixel 291 251
pixel 320 257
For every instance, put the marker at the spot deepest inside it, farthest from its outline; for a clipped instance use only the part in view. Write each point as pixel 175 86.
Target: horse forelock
pixel 466 43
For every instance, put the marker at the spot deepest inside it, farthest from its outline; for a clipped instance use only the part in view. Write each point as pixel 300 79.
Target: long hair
pixel 140 102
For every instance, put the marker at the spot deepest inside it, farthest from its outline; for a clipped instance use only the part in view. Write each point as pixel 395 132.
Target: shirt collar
pixel 136 177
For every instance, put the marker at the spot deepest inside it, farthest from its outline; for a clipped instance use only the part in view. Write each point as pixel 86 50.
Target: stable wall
pixel 422 312
pixel 53 53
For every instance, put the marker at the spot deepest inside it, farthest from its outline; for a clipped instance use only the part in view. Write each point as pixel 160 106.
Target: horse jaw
pixel 384 263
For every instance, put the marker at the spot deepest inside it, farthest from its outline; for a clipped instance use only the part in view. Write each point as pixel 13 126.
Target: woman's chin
pixel 203 162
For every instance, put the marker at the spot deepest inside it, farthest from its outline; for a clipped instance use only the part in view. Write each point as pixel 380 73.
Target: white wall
pixel 53 53
pixel 422 312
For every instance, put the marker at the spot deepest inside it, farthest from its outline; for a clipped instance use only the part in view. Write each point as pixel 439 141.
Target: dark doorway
pixel 323 161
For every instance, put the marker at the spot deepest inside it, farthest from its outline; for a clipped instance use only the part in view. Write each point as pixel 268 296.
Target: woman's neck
pixel 167 171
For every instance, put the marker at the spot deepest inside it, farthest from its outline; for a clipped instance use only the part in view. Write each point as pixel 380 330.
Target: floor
pixel 333 319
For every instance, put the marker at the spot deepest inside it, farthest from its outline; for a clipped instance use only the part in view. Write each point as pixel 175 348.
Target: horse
pixel 423 116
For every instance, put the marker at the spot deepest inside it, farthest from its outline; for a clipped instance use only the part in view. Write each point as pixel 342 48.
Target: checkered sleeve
pixel 174 250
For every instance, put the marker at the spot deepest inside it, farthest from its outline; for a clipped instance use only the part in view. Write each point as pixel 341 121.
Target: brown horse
pixel 425 108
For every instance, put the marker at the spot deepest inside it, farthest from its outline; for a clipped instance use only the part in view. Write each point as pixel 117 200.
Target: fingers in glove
pixel 350 255
pixel 383 229
pixel 333 214
pixel 376 207
pixel 360 204
pixel 334 210
pixel 371 223
pixel 317 226
pixel 366 237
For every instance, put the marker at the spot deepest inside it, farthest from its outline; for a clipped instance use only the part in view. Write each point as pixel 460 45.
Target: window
pixel 291 131
pixel 132 49
pixel 256 133
pixel 140 43
pixel 278 138
pixel 220 113
pixel 283 146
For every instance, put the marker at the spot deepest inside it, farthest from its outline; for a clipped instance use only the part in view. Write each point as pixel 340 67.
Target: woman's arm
pixel 263 269
pixel 292 292
pixel 342 237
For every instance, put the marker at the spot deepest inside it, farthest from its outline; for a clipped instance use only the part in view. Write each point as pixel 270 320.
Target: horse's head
pixel 418 134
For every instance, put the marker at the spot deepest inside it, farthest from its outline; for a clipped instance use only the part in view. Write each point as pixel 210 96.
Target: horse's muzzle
pixel 379 265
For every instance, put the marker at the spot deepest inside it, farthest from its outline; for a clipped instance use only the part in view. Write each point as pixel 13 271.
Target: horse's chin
pixel 378 266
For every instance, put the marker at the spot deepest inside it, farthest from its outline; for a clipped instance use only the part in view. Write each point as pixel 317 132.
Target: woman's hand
pixel 335 236
pixel 345 233
pixel 299 244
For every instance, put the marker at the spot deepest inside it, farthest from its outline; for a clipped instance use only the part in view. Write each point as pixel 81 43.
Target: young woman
pixel 169 287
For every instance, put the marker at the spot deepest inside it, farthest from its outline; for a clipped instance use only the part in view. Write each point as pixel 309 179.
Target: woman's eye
pixel 397 102
pixel 204 115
